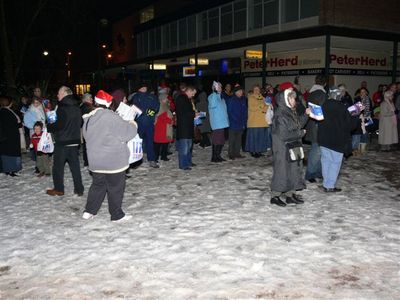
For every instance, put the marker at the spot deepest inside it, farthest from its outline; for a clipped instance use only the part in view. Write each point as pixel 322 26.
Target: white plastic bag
pixel 135 149
pixel 45 144
pixel 269 115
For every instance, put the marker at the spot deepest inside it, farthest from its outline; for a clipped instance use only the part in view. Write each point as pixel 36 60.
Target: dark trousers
pixel 63 154
pixel 235 142
pixel 161 149
pixel 111 184
pixel 84 154
pixel 147 134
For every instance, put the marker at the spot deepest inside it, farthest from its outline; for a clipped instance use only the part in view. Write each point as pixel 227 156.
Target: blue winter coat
pixel 149 105
pixel 237 112
pixel 218 112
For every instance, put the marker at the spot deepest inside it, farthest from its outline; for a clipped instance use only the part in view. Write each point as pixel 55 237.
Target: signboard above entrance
pixel 315 59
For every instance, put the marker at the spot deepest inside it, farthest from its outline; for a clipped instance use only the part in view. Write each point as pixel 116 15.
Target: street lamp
pixel 45 52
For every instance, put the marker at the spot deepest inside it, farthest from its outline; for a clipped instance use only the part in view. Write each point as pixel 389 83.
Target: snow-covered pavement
pixel 210 233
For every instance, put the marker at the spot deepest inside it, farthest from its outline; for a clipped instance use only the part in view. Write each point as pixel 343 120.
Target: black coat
pixel 67 128
pixel 334 130
pixel 10 141
pixel 317 97
pixel 286 127
pixel 184 117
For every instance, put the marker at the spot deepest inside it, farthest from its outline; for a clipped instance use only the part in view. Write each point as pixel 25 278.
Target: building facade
pixel 258 41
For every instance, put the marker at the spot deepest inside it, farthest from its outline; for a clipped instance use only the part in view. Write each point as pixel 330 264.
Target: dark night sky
pixel 62 26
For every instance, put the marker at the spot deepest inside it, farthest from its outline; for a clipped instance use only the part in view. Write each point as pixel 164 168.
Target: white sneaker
pixel 123 219
pixel 87 216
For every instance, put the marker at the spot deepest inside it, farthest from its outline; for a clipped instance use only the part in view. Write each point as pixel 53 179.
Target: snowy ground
pixel 206 234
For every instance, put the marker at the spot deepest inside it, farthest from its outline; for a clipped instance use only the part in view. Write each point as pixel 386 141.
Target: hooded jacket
pixel 106 135
pixel 67 128
pixel 317 96
pixel 286 127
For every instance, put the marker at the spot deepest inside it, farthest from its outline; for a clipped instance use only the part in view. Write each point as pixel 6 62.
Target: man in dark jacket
pixel 185 127
pixel 317 96
pixel 67 135
pixel 149 105
pixel 333 138
pixel 237 113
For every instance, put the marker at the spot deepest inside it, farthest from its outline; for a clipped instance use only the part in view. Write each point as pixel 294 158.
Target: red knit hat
pixel 103 98
pixel 285 85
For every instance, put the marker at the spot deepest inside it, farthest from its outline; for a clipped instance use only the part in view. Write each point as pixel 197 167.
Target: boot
pixel 219 151
pixel 363 148
pixel 214 157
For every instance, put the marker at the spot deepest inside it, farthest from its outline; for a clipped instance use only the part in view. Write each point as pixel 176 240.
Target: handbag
pixel 295 150
pixel 135 149
pixel 45 144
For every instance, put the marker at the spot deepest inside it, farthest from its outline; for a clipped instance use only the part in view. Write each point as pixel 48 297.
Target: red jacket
pixel 35 140
pixel 160 129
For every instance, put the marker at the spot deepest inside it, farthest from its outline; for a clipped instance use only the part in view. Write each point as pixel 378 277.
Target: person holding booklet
pixel 106 135
pixel 287 132
pixel 334 134
pixel 318 97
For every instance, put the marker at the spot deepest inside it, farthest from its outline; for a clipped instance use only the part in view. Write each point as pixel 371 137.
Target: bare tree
pixel 13 58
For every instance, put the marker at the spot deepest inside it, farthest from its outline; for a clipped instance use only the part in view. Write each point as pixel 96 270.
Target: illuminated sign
pixel 200 61
pixel 253 54
pixel 189 71
pixel 158 67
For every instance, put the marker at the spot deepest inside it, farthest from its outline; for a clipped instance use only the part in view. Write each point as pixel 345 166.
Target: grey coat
pixel 286 127
pixel 106 135
pixel 387 124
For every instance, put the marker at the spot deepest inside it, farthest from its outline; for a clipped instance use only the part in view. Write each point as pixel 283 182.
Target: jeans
pixel 184 153
pixel 61 155
pixel 269 137
pixel 112 185
pixel 147 134
pixel 331 163
pixel 355 141
pixel 314 163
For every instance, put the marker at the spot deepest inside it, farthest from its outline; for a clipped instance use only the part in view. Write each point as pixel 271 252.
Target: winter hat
pixel 103 98
pixel 285 85
pixel 142 84
pixel 237 88
pixel 118 95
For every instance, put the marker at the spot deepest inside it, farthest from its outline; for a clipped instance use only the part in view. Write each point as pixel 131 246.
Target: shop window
pixel 81 89
pixel 145 43
pixel 166 37
pixel 203 26
pixel 146 14
pixel 290 10
pixel 191 21
pixel 152 41
pixel 271 12
pixel 174 34
pixel 240 15
pixel 256 9
pixel 309 8
pixel 226 19
pixel 182 32
pixel 158 39
pixel 213 23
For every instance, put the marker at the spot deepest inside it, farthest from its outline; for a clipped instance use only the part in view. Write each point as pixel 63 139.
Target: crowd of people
pixel 272 121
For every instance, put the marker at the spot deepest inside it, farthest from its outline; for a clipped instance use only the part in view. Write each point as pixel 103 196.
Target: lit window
pixel 146 14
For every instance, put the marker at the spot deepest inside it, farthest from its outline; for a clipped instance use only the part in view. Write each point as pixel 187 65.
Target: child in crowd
pixel 43 162
pixel 163 131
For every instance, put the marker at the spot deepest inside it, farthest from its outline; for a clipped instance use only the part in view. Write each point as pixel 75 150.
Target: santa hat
pixel 103 98
pixel 285 85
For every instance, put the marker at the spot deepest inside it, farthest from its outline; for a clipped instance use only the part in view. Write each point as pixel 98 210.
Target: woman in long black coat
pixel 286 127
pixel 10 140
